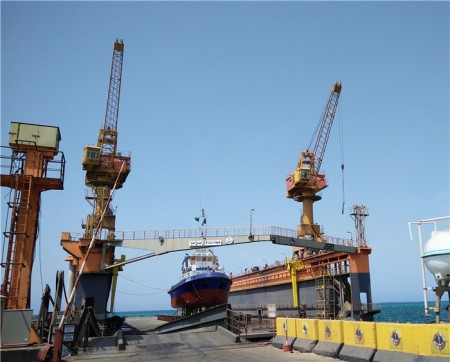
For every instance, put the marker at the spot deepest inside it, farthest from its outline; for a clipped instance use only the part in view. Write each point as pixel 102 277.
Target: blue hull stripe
pixel 209 281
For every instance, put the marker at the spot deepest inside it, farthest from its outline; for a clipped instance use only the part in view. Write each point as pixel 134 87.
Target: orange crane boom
pixel 305 182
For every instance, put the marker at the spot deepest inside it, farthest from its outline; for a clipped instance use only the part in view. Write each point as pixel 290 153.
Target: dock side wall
pixel 281 295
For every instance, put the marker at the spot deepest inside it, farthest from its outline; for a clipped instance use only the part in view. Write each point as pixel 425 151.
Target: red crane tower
pixel 33 169
pixel 306 181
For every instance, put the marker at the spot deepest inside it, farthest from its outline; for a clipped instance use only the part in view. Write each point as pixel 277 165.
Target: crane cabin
pixel 91 157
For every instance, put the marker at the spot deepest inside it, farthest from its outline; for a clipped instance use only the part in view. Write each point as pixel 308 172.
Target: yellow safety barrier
pixel 379 341
pixel 286 332
pixel 331 331
pixel 396 337
pixel 331 338
pixel 430 340
pixel 307 334
pixel 360 341
pixel 307 328
pixel 360 334
pixel 290 325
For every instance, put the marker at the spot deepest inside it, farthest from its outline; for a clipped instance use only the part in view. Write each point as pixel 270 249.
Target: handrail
pixel 53 168
pixel 365 307
pixel 215 232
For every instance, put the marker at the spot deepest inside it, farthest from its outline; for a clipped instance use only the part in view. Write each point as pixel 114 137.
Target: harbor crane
pixel 103 162
pixel 106 170
pixel 306 181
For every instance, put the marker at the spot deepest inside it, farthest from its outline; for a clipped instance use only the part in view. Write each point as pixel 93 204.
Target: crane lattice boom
pixel 107 138
pixel 325 126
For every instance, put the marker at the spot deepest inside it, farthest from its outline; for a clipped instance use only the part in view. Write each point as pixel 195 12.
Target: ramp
pixel 211 317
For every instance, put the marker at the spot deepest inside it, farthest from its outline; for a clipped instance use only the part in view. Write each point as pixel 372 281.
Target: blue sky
pixel 218 99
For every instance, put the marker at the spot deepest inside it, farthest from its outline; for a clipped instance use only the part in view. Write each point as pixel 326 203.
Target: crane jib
pixel 325 126
pixel 108 135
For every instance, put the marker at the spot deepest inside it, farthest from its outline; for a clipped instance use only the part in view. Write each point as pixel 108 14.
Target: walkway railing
pixel 368 307
pixel 213 232
pixel 244 324
pixel 14 164
pixel 204 232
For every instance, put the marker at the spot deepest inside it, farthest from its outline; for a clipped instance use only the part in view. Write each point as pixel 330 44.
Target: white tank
pixel 436 256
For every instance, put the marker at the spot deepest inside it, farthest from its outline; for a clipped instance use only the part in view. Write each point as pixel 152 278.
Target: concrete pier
pixel 141 343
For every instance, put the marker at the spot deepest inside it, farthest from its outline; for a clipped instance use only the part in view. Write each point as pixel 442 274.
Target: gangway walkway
pixel 166 241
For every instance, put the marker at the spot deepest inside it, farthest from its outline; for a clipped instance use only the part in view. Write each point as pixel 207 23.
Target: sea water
pixel 409 312
pixel 406 312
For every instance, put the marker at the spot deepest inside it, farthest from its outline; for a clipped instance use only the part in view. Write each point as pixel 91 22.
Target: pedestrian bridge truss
pixel 166 241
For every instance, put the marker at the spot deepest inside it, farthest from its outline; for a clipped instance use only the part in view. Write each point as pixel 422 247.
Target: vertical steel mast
pixel 33 169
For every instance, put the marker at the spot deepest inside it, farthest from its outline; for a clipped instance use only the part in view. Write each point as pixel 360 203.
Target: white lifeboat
pixel 436 256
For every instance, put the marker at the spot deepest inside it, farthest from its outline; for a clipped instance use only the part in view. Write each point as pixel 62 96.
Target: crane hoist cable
pixel 9 195
pixel 141 294
pixel 143 285
pixel 40 249
pixel 341 150
pixel 58 338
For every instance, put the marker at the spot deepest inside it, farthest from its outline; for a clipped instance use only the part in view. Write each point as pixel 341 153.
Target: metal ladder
pixel 325 296
pixel 17 237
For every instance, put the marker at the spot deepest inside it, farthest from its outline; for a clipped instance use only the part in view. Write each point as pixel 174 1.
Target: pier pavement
pixel 204 344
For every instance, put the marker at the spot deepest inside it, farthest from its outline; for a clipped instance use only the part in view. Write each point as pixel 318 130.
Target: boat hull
pixel 202 290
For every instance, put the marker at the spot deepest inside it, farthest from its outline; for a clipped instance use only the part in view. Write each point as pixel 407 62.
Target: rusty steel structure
pixel 35 165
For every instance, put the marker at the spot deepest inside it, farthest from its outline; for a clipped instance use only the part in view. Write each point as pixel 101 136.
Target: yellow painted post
pixel 114 281
pixel 294 286
pixel 293 266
